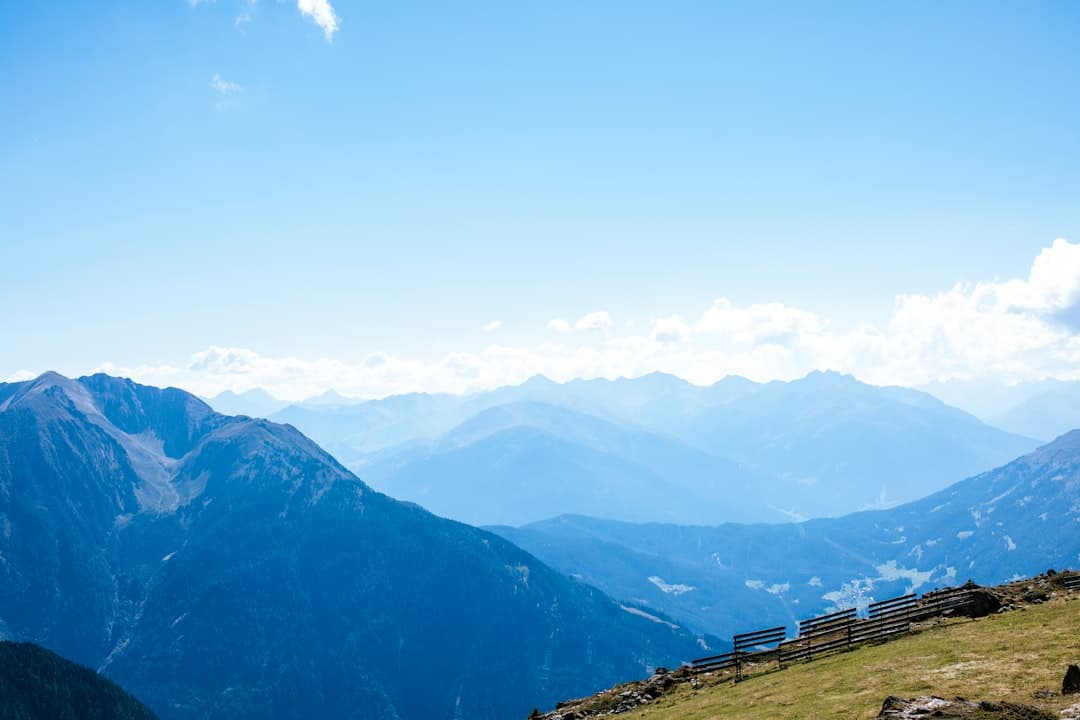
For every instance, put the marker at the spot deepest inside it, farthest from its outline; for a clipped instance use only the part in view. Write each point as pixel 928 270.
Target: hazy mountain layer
pixel 523 462
pixel 1018 519
pixel 253 403
pixel 821 446
pixel 1045 415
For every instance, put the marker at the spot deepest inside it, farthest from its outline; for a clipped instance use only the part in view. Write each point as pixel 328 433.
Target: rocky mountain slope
pixel 224 567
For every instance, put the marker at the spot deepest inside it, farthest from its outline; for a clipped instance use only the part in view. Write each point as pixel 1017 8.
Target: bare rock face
pixel 983 602
pixel 1071 684
pixel 621 699
pixel 895 708
pixel 920 708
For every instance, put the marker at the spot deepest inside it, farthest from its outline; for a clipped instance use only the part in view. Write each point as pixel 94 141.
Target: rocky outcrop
pixel 895 708
pixel 623 698
pixel 983 602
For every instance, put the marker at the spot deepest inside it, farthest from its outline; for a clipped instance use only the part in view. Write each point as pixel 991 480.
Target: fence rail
pixel 1071 582
pixel 819 635
pixel 826 623
pixel 893 606
pixel 746 643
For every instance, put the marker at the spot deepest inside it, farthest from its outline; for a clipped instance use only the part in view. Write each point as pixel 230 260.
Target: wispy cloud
pixel 491 326
pixel 322 13
pixel 223 87
pixel 600 320
pixel 246 15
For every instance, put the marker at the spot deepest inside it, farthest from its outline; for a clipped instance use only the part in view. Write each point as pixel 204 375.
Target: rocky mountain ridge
pixel 228 567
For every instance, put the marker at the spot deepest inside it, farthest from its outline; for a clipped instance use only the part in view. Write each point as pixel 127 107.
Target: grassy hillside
pixel 1007 656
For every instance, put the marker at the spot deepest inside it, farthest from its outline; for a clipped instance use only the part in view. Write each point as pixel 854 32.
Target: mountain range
pixel 820 446
pixel 228 567
pixel 1015 520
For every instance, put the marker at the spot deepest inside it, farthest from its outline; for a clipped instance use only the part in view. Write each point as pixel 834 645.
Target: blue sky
pixel 230 179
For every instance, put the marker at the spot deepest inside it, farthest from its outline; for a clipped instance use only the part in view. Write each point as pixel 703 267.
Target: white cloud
pixel 322 13
pixel 670 329
pixel 491 326
pixel 1018 329
pixel 1012 330
pixel 223 87
pixel 1052 286
pixel 246 15
pixel 770 323
pixel 21 376
pixel 600 320
pixel 559 325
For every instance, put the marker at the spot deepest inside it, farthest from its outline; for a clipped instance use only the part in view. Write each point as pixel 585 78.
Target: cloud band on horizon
pixel 1020 329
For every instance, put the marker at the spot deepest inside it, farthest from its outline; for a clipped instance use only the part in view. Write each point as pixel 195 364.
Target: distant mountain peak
pixel 539 380
pixel 830 377
pixel 49 377
pixel 29 390
pixel 736 379
pixel 657 377
pixel 255 394
pixel 330 397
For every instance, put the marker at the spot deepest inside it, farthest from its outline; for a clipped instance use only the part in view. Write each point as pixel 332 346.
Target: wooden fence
pixel 839 630
pixel 843 629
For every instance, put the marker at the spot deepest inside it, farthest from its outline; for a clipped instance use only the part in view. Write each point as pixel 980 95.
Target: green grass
pixel 1001 657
